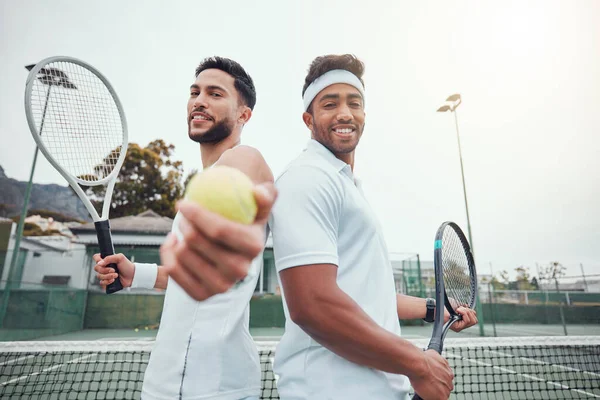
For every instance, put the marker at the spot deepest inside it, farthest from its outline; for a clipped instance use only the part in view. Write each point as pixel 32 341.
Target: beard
pixel 336 145
pixel 217 133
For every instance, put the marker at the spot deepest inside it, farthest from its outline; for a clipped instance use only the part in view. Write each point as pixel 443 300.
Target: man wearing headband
pixel 342 334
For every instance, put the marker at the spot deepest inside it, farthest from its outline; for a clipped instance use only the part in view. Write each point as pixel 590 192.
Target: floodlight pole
pixel 456 100
pixel 21 224
pixel 10 279
pixel 462 173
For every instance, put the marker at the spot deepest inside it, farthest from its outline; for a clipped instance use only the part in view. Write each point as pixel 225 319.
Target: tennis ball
pixel 136 330
pixel 226 191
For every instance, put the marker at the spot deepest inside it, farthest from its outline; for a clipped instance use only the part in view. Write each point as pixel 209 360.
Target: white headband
pixel 330 78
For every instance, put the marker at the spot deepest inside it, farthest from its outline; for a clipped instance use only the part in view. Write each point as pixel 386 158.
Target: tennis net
pixel 485 368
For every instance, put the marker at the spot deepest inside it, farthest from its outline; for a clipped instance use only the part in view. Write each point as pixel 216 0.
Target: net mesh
pixel 499 368
pixel 77 119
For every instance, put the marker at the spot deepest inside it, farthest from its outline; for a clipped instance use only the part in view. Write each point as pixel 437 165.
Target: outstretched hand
pixel 213 253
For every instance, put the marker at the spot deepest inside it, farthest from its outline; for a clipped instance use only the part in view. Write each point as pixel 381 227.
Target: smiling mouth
pixel 200 117
pixel 344 131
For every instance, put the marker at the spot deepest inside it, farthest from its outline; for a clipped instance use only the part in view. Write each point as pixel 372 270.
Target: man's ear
pixel 245 115
pixel 308 120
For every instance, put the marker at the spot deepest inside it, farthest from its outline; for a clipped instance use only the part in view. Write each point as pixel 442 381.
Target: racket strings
pixel 78 120
pixel 457 278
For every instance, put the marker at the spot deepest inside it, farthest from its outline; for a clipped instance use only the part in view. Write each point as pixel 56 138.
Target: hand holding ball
pixel 226 191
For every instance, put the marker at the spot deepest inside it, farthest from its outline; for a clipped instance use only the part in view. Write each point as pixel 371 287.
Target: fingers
pixel 213 253
pixel 265 195
pixel 188 283
pixel 468 315
pixel 105 275
pixel 442 370
pixel 112 259
pixel 469 318
pixel 198 250
pixel 212 281
pixel 182 276
pixel 244 239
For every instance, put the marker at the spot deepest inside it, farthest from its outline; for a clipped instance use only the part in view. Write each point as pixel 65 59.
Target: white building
pixel 47 261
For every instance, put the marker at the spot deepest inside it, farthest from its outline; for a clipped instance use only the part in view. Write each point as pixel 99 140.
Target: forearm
pixel 410 307
pixel 338 323
pixel 162 278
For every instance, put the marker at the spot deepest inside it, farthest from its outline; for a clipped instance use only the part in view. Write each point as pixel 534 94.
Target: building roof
pixel 55 242
pixel 124 239
pixel 147 222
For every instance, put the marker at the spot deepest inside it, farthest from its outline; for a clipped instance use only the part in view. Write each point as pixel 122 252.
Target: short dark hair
pixel 323 64
pixel 243 82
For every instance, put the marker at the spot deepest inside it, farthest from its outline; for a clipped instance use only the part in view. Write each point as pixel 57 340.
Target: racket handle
pixel 416 397
pixel 107 249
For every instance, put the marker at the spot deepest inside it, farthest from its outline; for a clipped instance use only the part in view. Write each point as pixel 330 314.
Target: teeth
pixel 347 130
pixel 201 117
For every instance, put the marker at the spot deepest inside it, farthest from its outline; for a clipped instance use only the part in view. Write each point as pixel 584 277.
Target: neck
pixel 348 158
pixel 211 152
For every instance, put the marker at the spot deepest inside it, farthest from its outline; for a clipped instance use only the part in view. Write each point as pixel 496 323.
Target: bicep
pixel 248 160
pixel 306 287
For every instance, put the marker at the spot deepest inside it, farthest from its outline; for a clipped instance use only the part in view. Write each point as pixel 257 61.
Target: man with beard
pixel 203 347
pixel 342 334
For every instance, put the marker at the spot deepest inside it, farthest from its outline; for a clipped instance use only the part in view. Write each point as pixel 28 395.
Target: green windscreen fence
pixel 31 313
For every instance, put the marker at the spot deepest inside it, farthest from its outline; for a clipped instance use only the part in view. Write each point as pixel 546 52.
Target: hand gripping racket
pixel 455 280
pixel 78 123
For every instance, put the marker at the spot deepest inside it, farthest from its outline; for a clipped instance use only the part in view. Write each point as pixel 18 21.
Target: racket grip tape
pixel 107 249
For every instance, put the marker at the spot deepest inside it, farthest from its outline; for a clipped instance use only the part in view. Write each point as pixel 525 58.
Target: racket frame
pixel 101 222
pixel 74 181
pixel 439 328
pixel 441 297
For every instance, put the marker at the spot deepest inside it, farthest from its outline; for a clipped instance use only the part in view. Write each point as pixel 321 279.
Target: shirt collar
pixel 326 154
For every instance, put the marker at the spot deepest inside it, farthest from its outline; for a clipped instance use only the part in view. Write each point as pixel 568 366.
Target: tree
pixel 505 280
pixel 523 278
pixel 30 229
pixel 552 272
pixel 189 177
pixel 535 284
pixel 148 180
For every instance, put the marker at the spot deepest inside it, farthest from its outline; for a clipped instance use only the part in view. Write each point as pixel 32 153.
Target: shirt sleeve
pixel 305 218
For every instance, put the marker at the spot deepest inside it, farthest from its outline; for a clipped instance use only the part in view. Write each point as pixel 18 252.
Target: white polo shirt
pixel 204 349
pixel 322 217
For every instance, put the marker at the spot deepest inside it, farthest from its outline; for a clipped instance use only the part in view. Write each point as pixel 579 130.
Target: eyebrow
pixel 335 96
pixel 209 87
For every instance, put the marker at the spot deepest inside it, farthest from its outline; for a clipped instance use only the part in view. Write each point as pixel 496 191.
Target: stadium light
pixel 452 103
pixel 49 77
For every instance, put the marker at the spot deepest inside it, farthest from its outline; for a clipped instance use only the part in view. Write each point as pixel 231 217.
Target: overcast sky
pixel 528 73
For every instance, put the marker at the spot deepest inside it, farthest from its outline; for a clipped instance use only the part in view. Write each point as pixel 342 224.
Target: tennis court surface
pixel 485 368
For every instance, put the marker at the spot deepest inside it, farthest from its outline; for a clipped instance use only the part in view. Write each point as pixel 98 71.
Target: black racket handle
pixel 416 397
pixel 107 249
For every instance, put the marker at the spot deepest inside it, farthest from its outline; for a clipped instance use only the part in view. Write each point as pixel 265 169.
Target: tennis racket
pixel 78 123
pixel 455 280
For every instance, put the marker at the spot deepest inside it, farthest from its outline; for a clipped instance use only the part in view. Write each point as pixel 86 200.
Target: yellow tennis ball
pixel 136 329
pixel 226 191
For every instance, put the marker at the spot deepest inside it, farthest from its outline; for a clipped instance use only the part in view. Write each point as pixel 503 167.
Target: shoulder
pixel 305 179
pixel 249 160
